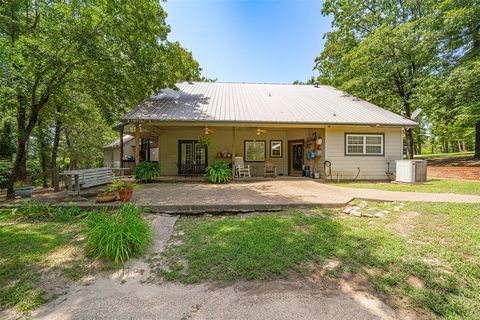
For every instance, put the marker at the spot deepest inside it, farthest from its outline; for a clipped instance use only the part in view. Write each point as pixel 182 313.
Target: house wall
pixel 232 140
pixel 371 167
pixel 229 140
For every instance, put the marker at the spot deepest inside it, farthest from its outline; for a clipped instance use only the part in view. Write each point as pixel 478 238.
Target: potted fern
pixel 218 172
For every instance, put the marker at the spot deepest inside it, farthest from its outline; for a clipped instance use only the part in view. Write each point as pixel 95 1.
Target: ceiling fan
pixel 261 131
pixel 207 130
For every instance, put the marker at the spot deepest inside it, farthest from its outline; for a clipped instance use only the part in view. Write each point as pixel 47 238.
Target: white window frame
pixel 364 152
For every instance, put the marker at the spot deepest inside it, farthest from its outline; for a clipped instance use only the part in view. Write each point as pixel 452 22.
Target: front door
pixel 192 157
pixel 295 157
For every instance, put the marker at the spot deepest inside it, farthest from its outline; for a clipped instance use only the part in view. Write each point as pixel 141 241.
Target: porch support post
pixel 233 143
pixel 121 149
pixel 137 144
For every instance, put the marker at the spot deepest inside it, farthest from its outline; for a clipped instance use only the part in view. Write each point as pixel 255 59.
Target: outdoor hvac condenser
pixel 411 171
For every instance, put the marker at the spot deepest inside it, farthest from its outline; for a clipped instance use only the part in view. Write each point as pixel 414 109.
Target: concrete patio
pixel 269 195
pixel 242 196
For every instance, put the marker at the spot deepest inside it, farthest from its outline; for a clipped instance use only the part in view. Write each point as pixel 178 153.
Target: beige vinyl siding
pixel 224 139
pixel 372 167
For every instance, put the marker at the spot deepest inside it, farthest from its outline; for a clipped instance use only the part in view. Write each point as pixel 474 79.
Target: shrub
pixel 218 172
pixel 146 171
pixel 31 212
pixel 118 236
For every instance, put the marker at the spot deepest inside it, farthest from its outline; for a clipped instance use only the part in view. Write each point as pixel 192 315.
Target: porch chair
pixel 240 168
pixel 270 168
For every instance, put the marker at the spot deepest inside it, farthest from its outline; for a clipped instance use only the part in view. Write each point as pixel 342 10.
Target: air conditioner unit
pixel 411 171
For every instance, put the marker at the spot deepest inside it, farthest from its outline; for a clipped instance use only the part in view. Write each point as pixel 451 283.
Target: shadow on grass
pixel 266 247
pixel 24 249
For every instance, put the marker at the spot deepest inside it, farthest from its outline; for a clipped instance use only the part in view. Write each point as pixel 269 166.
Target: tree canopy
pixel 408 54
pixel 99 55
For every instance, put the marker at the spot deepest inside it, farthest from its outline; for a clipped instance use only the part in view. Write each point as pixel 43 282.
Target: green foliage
pixel 21 184
pixel 404 55
pixel 5 171
pixel 146 171
pixel 32 212
pixel 204 141
pixel 7 139
pixel 120 185
pixel 117 236
pixel 218 172
pixel 81 64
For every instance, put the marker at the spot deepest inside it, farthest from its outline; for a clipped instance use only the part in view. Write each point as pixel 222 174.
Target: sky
pixel 262 41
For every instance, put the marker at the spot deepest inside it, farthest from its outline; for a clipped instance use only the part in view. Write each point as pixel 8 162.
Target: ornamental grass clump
pixel 218 172
pixel 117 236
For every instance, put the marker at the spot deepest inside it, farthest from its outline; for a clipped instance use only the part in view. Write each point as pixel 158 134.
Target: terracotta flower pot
pixel 125 195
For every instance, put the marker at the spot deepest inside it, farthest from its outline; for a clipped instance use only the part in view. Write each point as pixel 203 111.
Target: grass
pixel 432 185
pixel 440 247
pixel 118 236
pixel 445 155
pixel 26 244
pixel 33 237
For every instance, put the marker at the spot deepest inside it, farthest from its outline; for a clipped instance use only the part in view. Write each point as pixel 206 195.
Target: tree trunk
pixel 409 137
pixel 56 140
pixel 17 172
pixel 477 140
pixel 42 143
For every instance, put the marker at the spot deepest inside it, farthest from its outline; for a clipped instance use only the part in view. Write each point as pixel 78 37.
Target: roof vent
pixel 316 84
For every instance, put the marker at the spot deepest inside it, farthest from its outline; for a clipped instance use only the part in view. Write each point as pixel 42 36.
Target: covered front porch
pixel 186 149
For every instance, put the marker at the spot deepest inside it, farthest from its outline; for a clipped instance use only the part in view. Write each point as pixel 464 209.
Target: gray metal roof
pixel 262 103
pixel 116 143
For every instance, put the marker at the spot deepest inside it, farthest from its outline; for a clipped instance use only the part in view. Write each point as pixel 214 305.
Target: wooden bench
pixel 86 178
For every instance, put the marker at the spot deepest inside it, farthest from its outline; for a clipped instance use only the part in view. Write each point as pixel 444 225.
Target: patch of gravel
pixel 362 209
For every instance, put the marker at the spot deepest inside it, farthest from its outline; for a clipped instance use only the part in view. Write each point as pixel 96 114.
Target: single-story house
pixel 294 126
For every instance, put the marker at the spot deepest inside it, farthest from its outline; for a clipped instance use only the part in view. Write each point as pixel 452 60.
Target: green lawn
pixel 445 155
pixel 26 249
pixel 440 247
pixel 432 185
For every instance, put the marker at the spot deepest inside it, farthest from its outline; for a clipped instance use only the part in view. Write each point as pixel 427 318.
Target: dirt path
pixel 128 295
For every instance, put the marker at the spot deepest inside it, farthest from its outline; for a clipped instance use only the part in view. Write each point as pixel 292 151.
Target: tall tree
pixel 116 52
pixel 379 51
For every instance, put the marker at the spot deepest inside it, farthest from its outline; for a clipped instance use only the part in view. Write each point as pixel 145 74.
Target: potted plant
pixel 23 189
pixel 124 188
pixel 204 141
pixel 218 172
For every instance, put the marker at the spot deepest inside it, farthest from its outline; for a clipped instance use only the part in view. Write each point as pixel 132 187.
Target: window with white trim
pixel 363 144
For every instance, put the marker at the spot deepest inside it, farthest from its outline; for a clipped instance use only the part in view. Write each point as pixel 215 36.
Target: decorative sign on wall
pixel 276 149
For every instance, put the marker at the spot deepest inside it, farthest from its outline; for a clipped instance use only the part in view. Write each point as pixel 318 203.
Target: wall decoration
pixel 276 149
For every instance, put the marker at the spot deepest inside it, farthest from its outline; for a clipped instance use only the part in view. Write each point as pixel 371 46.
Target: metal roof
pixel 116 143
pixel 262 103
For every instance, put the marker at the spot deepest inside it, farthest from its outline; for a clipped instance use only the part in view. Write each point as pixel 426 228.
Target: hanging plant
pixel 204 141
